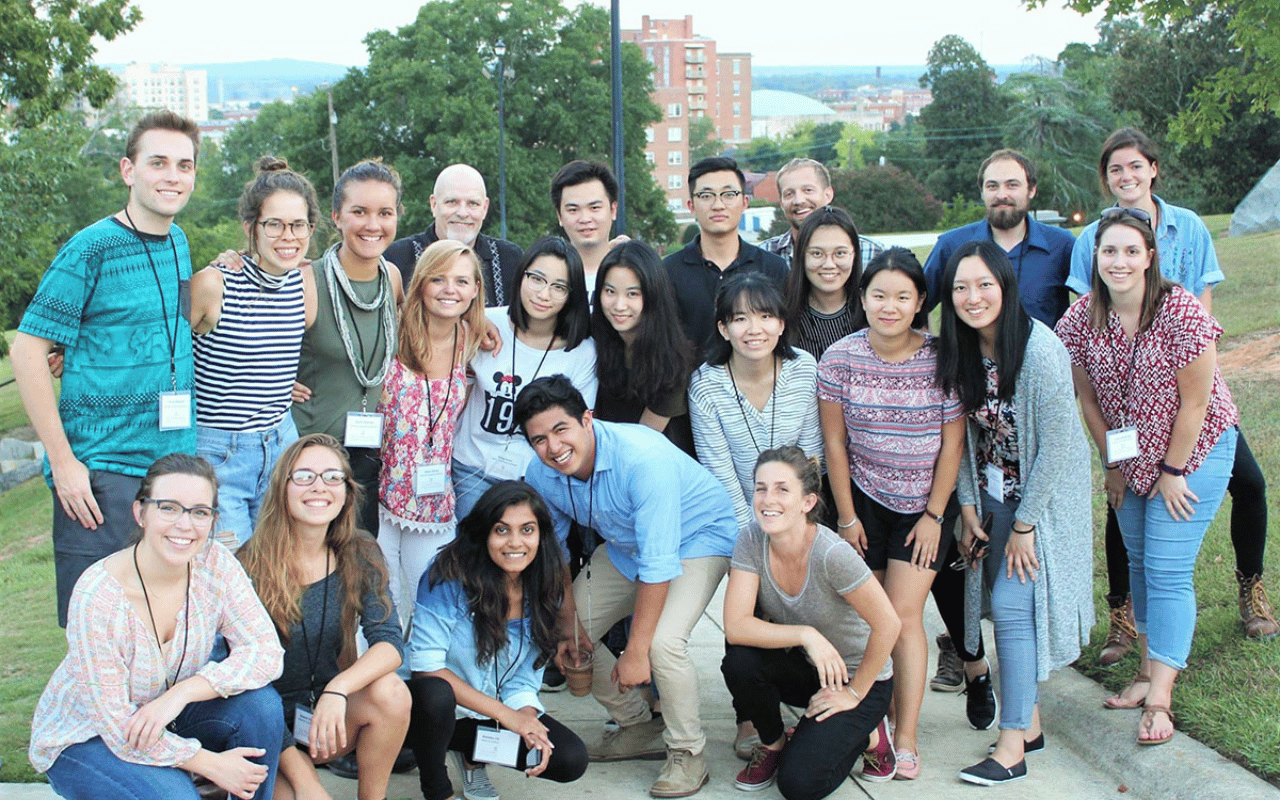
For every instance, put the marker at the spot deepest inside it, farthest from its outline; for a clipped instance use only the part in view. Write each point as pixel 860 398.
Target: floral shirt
pixel 420 419
pixel 893 415
pixel 1136 379
pixel 997 424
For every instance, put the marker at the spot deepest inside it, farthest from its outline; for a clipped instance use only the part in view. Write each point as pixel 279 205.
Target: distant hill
pixel 809 80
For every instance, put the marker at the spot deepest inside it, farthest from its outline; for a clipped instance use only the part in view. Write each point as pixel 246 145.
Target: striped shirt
pixel 246 365
pixel 815 331
pixel 893 415
pixel 729 433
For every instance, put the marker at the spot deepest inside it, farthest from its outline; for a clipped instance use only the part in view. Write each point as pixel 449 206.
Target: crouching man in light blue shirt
pixel 669 530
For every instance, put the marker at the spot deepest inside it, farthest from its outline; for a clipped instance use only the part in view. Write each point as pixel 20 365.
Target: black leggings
pixel 948 587
pixel 433 731
pixel 820 754
pixel 1248 490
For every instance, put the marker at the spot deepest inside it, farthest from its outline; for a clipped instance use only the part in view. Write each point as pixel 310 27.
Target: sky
pixel 819 33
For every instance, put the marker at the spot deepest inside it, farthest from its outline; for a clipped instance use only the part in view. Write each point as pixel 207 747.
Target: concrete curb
pixel 1182 769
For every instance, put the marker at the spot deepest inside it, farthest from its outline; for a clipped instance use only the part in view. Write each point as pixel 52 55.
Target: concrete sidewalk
pixel 1090 753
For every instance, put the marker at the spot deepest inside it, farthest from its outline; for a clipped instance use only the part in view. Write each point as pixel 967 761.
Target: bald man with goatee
pixel 459 204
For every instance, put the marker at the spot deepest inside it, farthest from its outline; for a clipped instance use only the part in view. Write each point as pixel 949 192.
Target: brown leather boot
pixel 1122 634
pixel 1256 616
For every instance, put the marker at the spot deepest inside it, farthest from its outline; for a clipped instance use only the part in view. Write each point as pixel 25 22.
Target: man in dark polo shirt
pixel 1040 254
pixel 459 204
pixel 718 199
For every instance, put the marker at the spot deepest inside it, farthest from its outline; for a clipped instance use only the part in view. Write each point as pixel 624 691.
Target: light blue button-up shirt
pixel 444 637
pixel 652 503
pixel 1186 252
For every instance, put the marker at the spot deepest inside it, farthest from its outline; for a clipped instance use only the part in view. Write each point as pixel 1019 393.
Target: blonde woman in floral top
pixel 422 398
pixel 136 704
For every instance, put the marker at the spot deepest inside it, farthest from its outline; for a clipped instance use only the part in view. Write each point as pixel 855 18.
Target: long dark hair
pixel 662 357
pixel 960 367
pixel 466 560
pixel 895 259
pixel 573 323
pixel 747 291
pixel 798 283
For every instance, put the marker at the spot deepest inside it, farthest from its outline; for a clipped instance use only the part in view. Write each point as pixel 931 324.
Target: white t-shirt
pixel 487 439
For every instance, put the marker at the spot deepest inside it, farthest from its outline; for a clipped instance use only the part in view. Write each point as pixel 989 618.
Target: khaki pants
pixel 605 597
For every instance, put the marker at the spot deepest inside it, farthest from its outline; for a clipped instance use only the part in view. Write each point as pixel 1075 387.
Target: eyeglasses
pixel 816 255
pixel 274 228
pixel 728 196
pixel 1121 211
pixel 172 511
pixel 538 282
pixel 306 477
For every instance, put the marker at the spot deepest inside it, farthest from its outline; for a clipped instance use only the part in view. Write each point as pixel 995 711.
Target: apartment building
pixel 185 91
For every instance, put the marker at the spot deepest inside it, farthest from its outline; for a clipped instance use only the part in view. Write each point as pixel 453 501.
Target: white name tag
pixel 1122 444
pixel 302 724
pixel 995 481
pixel 363 430
pixel 429 478
pixel 496 747
pixel 506 467
pixel 175 410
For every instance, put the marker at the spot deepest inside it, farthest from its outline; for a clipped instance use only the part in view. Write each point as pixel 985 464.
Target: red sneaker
pixel 879 764
pixel 760 772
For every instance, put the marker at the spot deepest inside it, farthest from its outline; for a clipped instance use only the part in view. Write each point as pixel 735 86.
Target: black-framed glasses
pixel 274 228
pixel 172 511
pixel 306 477
pixel 538 282
pixel 728 196
pixel 1122 211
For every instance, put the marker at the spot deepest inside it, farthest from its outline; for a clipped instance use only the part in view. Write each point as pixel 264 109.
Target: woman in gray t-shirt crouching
pixel 822 640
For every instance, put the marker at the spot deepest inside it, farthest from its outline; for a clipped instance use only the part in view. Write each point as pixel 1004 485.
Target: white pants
pixel 409 553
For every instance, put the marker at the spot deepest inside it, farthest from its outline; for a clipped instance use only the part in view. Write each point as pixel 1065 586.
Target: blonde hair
pixel 414 350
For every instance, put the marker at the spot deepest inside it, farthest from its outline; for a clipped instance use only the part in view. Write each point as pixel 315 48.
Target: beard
pixel 1005 217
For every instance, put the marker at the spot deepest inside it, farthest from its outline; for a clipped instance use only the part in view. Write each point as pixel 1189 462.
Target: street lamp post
pixel 501 49
pixel 619 150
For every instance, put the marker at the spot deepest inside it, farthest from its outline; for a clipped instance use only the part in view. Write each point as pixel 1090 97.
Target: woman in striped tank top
pixel 248 325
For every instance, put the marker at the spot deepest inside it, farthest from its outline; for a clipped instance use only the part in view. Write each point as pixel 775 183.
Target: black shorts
pixel 887 530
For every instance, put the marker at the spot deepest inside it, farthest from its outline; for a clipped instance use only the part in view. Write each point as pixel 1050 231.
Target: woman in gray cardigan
pixel 1024 491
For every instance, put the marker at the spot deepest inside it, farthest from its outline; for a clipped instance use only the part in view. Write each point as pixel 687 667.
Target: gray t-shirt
pixel 835 569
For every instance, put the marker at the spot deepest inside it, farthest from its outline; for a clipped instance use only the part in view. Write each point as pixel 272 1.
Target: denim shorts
pixel 242 461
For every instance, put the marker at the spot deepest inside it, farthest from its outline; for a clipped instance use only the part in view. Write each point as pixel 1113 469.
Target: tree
pixel 702 139
pixel 762 154
pixel 824 139
pixel 46 53
pixel 1252 80
pixel 883 199
pixel 429 98
pixel 964 123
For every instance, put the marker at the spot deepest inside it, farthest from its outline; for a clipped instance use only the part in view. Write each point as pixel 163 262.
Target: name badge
pixel 995 481
pixel 496 747
pixel 363 430
pixel 1122 444
pixel 506 467
pixel 429 478
pixel 175 410
pixel 302 724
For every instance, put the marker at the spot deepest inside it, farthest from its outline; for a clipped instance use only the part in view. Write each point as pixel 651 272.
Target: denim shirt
pixel 1186 252
pixel 651 502
pixel 444 637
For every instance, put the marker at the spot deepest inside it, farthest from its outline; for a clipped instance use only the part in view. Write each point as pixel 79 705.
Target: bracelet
pixel 330 691
pixel 856 696
pixel 1174 471
pixel 938 518
pixel 842 526
pixel 1032 529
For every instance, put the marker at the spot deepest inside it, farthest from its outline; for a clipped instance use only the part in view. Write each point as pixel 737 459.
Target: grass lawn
pixel 1227 698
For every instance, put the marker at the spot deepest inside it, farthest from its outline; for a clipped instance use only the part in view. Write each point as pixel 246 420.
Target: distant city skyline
pixel 884 34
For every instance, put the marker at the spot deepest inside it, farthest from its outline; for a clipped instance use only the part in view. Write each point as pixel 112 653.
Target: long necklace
pixel 306 640
pixel 773 414
pixel 186 622
pixel 341 293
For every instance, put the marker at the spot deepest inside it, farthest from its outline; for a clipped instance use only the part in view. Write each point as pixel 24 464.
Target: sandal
pixel 1117 701
pixel 1148 716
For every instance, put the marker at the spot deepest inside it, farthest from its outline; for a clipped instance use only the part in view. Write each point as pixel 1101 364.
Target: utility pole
pixel 501 49
pixel 333 132
pixel 619 168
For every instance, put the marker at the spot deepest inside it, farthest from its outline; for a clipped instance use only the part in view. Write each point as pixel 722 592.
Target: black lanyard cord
pixel 313 663
pixel 171 337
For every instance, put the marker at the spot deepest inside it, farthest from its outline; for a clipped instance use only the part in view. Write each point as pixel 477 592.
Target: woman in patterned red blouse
pixel 1144 361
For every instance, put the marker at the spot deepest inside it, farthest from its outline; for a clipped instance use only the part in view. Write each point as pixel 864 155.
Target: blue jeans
pixel 469 483
pixel 243 462
pixel 1013 610
pixel 1162 555
pixel 90 771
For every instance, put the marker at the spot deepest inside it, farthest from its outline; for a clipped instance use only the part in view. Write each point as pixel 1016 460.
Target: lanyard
pixel 186 624
pixel 773 413
pixel 432 423
pixel 541 361
pixel 1133 368
pixel 170 336
pixel 507 673
pixel 312 663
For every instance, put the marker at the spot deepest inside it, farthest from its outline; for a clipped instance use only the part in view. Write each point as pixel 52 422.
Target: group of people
pixel 448 467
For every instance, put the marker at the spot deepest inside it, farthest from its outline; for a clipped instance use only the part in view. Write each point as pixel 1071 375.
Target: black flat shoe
pixel 992 772
pixel 344 766
pixel 1028 747
pixel 980 702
